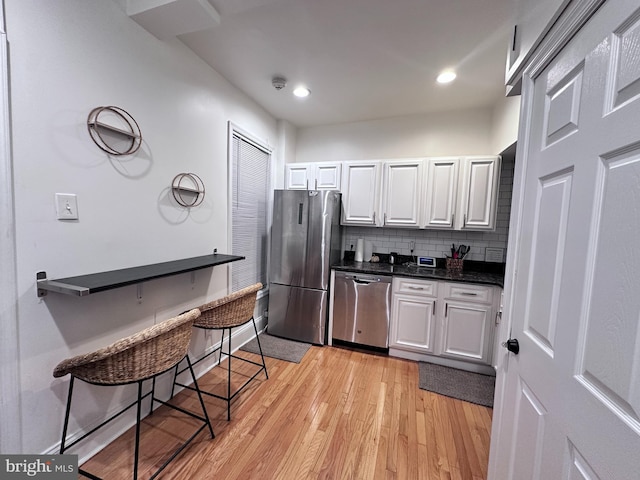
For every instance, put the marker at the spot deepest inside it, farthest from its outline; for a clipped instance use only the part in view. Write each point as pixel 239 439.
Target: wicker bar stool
pixel 234 310
pixel 134 359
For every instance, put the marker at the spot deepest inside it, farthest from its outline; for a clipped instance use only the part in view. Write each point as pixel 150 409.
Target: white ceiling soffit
pixel 169 18
pixel 362 59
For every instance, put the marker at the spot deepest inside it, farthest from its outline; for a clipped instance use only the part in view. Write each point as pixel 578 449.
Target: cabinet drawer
pixel 412 286
pixel 468 292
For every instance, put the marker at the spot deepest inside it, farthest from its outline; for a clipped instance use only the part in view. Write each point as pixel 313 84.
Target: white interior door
pixel 571 407
pixel 11 436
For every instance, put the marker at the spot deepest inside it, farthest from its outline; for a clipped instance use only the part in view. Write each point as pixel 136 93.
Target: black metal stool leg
pixel 138 415
pixel 153 394
pixel 221 345
pixel 229 381
pixel 66 417
pixel 175 379
pixel 197 389
pixel 255 329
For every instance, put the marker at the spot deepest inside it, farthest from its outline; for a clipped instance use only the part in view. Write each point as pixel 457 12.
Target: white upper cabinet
pixel 297 176
pixel 479 179
pixel 327 176
pixel 313 176
pixel 455 193
pixel 361 193
pixel 402 193
pixel 441 190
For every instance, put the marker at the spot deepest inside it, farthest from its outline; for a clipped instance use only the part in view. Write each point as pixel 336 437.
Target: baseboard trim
pixel 446 362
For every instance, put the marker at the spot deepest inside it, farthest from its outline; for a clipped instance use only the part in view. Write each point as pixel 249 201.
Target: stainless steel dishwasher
pixel 361 308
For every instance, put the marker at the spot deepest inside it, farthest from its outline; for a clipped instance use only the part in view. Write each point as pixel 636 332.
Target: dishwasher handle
pixel 362 279
pixel 367 280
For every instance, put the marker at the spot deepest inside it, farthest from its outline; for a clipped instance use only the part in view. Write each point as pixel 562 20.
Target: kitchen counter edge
pixel 414 271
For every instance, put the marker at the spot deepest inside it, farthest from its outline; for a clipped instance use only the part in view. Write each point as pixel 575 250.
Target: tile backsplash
pixel 437 243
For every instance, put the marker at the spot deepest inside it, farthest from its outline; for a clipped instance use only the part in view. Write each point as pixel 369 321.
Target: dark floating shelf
pixel 83 285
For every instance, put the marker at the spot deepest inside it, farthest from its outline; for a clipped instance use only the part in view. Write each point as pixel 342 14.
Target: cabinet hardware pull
pixel 453 217
pixel 433 310
pixel 464 221
pixel 385 219
pixel 307 184
pixel 469 294
pixel 446 309
pixel 316 184
pixel 410 287
pixel 374 218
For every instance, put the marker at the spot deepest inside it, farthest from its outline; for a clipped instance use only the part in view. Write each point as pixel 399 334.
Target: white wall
pixel 505 119
pixel 287 135
pixel 466 132
pixel 67 57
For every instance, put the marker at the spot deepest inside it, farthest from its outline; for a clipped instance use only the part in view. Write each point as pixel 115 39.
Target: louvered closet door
pixel 572 404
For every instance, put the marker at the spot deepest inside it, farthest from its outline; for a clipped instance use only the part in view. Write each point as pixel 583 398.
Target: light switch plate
pixel 66 206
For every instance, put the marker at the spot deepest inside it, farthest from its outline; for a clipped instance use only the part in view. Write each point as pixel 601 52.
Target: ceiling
pixel 362 59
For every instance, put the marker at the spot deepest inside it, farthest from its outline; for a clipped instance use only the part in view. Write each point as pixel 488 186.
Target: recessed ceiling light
pixel 301 92
pixel 446 76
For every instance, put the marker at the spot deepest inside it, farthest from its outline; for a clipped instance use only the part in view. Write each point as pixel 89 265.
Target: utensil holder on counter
pixel 455 265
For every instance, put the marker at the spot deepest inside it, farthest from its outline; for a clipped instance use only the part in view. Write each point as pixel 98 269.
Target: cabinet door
pixel 402 193
pixel 467 331
pixel 327 176
pixel 441 190
pixel 297 176
pixel 412 323
pixel 361 193
pixel 479 197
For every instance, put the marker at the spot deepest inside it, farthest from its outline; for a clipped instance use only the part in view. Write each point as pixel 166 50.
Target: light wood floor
pixel 340 414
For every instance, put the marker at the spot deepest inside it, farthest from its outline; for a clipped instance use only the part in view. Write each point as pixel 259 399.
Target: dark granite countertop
pixel 406 270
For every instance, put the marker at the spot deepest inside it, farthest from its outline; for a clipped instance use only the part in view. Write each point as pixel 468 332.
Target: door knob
pixel 512 345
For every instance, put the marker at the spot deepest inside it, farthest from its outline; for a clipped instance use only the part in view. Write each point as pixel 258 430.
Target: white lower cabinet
pixel 466 329
pixel 449 323
pixel 414 308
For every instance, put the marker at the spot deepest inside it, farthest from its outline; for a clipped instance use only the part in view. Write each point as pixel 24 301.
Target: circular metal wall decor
pixel 188 189
pixel 123 139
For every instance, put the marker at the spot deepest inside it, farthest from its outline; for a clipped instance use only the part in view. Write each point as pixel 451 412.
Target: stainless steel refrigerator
pixel 305 242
